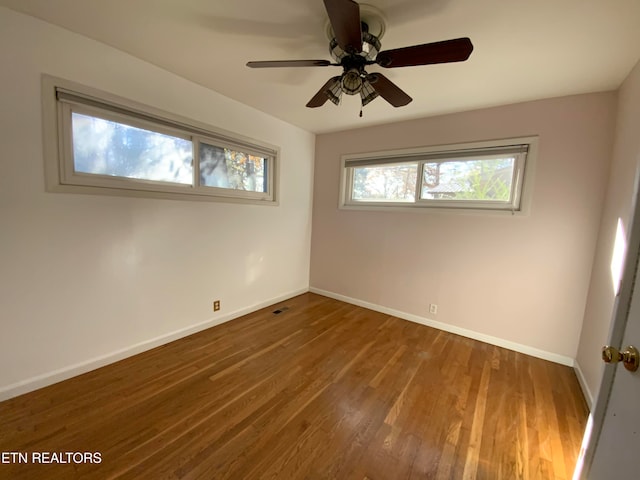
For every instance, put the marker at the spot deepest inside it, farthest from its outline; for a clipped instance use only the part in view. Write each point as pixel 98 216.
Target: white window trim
pixel 61 177
pixel 522 196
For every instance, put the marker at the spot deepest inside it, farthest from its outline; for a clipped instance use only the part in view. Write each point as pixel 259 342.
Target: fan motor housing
pixel 360 28
pixel 370 47
pixel 370 16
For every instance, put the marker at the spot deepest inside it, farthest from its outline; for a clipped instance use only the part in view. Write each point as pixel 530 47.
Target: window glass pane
pixel 106 147
pixel 226 168
pixel 385 183
pixel 483 180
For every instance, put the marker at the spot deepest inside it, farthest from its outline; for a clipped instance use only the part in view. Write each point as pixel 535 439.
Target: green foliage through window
pixel 104 147
pixel 487 177
pixel 487 180
pixel 108 145
pixel 227 168
pixel 388 183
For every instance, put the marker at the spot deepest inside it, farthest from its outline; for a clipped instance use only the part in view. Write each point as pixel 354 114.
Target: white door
pixel 617 451
pixel 613 449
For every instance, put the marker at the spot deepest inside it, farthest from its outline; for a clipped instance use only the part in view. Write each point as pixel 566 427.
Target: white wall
pixel 87 277
pixel 618 207
pixel 517 281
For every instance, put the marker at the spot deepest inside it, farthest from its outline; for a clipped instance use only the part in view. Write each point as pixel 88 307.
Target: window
pixel 105 144
pixel 488 175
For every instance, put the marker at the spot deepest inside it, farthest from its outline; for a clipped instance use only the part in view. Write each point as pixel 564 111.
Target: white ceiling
pixel 523 49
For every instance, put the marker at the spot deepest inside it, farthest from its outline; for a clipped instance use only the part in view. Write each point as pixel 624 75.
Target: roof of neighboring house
pixel 448 188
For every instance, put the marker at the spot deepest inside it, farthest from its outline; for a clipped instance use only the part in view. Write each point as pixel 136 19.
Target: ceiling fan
pixel 355 31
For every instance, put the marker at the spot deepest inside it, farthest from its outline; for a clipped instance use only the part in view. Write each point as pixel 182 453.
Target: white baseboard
pixel 534 352
pixel 588 396
pixel 64 373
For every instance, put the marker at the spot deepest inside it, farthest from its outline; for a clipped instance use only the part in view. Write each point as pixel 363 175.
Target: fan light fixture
pixel 335 93
pixel 354 32
pixel 367 93
pixel 351 82
pixel 370 45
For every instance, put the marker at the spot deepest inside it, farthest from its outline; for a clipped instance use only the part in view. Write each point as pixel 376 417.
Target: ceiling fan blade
pixel 322 96
pixel 289 63
pixel 344 16
pixel 388 90
pixel 456 50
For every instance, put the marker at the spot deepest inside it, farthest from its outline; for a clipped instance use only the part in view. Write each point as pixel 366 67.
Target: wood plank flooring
pixel 323 390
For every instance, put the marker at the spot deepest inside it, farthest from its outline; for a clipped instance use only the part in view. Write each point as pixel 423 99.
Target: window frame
pixel 61 98
pixel 522 178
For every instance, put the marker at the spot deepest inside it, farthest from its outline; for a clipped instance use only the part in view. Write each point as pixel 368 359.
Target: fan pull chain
pixel 360 112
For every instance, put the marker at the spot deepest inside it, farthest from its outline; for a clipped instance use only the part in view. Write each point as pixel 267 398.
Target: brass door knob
pixel 630 356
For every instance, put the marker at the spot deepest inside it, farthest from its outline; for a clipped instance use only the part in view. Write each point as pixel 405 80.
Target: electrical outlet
pixel 433 308
pixel 216 305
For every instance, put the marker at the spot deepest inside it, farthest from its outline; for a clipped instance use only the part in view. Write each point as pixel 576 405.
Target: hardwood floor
pixel 322 390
